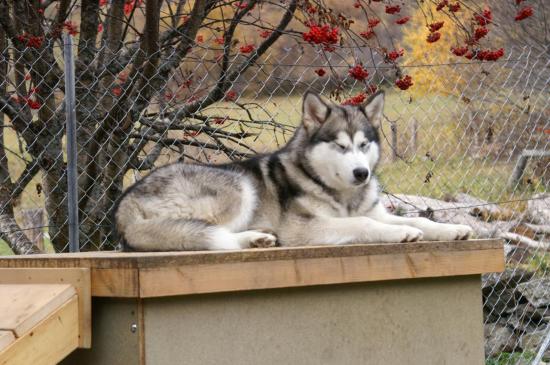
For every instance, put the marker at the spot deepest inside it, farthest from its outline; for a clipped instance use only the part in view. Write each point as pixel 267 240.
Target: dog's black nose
pixel 361 174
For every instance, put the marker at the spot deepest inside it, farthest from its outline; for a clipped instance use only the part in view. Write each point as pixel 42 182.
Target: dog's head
pixel 342 144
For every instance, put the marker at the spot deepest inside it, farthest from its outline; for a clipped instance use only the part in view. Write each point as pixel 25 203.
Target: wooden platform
pixel 146 275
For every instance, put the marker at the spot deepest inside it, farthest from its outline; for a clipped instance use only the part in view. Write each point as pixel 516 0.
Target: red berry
pixel 404 83
pixel 433 37
pixel 358 72
pixel 393 9
pixel 434 27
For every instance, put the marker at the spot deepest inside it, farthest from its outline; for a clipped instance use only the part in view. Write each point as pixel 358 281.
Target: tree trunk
pixel 10 230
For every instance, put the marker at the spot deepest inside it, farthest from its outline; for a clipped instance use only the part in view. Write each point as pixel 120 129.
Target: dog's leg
pixel 433 231
pixel 341 231
pixel 167 234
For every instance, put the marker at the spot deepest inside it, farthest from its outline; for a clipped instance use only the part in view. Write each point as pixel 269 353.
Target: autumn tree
pixel 148 73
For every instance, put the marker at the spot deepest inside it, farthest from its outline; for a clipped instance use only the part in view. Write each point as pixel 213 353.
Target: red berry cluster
pixel 393 9
pixel 219 120
pixel 247 48
pixel 404 83
pixel 265 33
pixel 70 27
pixel 130 5
pixel 30 40
pixel 393 55
pixel 459 51
pixel 433 37
pixel 441 5
pixel 453 8
pixel 485 54
pixel 30 100
pixel 355 100
pixel 471 49
pixel 480 32
pixel 403 20
pixel 324 35
pixel 368 34
pixel 435 26
pixel 240 4
pixel 523 13
pixel 33 104
pixel 358 72
pixel 230 96
pixel 484 18
pixel 373 22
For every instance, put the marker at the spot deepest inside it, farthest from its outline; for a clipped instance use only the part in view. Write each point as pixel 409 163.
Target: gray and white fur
pixel 318 189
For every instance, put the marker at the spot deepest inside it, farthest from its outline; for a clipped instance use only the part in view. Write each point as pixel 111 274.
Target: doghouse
pixel 405 303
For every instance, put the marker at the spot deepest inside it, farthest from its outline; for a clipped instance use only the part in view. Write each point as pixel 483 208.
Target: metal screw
pixel 133 328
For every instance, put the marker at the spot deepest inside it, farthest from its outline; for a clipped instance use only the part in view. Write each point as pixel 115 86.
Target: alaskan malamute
pixel 318 189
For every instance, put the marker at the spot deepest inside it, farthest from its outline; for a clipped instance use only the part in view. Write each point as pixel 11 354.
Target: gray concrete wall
pixel 113 342
pixel 422 321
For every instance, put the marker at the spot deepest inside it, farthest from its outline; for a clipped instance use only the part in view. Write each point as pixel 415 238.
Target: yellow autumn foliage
pixel 438 77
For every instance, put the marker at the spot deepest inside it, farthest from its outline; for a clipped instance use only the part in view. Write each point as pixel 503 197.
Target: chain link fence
pixel 475 151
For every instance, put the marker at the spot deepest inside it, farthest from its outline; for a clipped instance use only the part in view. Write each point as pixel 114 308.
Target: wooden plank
pixel 209 278
pixel 115 283
pixel 117 274
pixel 6 338
pixel 49 342
pixel 129 260
pixel 23 306
pixel 79 278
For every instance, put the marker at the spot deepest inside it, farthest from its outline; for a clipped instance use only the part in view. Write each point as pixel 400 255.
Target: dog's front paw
pixel 408 234
pixel 262 239
pixel 449 232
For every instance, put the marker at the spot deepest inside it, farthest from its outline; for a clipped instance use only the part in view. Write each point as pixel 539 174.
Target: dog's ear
pixel 374 108
pixel 315 111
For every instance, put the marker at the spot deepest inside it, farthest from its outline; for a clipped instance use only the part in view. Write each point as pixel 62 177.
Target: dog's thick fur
pixel 318 189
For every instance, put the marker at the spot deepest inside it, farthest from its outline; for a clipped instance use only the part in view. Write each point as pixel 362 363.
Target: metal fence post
pixel 70 112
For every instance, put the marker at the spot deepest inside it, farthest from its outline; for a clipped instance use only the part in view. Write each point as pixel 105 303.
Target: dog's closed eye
pixel 340 146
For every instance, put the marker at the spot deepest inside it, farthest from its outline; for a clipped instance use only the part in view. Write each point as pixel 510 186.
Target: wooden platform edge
pixel 141 260
pixel 211 278
pixel 49 341
pixel 151 274
pixel 79 278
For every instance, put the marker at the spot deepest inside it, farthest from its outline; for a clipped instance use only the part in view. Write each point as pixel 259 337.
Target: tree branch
pixel 223 84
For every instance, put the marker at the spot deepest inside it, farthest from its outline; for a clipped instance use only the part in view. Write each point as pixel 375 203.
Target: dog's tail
pixel 119 241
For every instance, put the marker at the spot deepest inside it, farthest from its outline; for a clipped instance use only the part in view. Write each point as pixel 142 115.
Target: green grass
pixel 4 249
pixel 506 358
pixel 441 178
pixel 539 264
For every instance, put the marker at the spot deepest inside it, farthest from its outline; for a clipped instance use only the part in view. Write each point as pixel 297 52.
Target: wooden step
pixel 6 337
pixel 39 323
